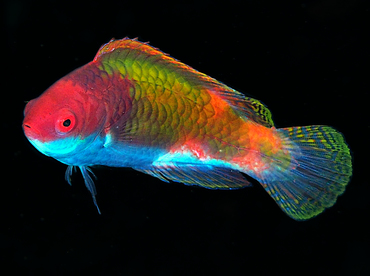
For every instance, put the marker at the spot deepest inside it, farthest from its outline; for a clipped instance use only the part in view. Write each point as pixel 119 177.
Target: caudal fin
pixel 320 168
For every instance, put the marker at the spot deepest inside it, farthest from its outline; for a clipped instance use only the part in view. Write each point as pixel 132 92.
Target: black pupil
pixel 67 123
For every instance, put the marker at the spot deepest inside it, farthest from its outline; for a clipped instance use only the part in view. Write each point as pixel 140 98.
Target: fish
pixel 135 106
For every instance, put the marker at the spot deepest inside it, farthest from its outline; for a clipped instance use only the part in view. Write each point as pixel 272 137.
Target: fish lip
pixel 31 132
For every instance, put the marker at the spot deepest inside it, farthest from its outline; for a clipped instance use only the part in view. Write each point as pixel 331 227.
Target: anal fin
pixel 206 176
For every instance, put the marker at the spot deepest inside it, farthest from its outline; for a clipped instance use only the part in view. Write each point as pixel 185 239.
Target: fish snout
pixel 30 131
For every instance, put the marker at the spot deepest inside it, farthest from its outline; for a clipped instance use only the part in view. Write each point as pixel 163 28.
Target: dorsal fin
pixel 248 107
pixel 261 114
pixel 128 43
pixel 251 108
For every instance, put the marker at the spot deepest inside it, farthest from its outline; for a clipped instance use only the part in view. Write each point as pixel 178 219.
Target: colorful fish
pixel 135 106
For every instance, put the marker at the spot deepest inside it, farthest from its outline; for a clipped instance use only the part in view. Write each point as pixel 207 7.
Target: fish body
pixel 134 106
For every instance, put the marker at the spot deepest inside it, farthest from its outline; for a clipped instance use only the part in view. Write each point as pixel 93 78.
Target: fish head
pixel 63 120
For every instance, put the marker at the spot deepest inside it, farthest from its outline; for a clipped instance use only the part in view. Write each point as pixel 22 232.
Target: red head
pixel 64 115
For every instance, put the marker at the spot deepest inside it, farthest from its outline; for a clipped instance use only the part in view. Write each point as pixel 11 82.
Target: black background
pixel 308 61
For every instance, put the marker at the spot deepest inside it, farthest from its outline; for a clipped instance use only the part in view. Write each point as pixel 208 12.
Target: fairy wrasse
pixel 135 106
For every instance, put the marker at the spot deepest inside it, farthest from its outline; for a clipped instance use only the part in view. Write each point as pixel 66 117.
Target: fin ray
pixel 86 171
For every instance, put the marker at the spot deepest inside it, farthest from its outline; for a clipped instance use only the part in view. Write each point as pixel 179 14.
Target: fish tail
pixel 318 169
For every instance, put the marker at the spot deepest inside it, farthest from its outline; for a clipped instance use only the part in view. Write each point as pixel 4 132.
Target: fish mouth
pixel 31 132
pixel 35 138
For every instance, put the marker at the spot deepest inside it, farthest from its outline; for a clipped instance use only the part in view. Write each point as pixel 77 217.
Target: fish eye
pixel 65 122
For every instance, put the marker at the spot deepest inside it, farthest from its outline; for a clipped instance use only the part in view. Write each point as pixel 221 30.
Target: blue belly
pixel 103 151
